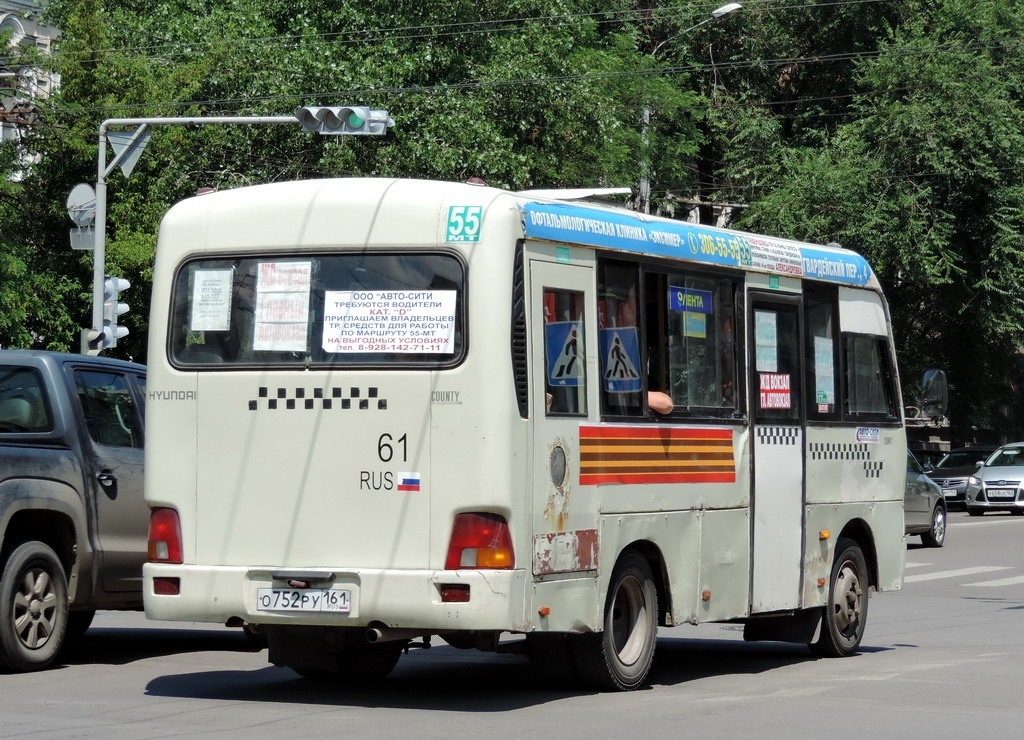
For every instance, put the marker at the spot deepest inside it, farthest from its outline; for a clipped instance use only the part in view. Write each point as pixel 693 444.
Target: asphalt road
pixel 942 658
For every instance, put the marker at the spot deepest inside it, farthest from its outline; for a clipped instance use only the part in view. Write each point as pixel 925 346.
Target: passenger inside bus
pixel 660 402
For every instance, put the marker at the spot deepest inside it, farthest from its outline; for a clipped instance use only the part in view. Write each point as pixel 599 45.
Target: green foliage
pixel 923 177
pixel 893 128
pixel 522 94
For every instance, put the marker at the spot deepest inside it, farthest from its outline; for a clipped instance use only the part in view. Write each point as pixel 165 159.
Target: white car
pixel 996 486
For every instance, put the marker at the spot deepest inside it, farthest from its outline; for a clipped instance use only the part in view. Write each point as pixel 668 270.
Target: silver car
pixel 996 486
pixel 924 508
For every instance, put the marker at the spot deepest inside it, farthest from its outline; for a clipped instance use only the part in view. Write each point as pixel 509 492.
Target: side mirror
pixel 934 400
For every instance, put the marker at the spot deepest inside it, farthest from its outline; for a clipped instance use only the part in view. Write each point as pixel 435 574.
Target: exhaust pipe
pixel 391 634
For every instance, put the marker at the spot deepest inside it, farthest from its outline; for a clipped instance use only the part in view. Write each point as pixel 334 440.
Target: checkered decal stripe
pixel 839 451
pixel 317 398
pixel 778 435
pixel 873 468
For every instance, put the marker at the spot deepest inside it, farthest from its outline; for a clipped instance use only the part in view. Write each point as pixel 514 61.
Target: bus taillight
pixel 480 540
pixel 165 537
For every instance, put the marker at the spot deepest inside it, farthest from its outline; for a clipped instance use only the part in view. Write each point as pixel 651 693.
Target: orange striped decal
pixel 655 454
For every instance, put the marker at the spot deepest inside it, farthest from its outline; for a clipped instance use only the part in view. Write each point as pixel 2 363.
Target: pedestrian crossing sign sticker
pixel 564 352
pixel 620 349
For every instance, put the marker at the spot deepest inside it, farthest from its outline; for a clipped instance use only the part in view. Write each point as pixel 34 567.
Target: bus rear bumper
pixel 410 599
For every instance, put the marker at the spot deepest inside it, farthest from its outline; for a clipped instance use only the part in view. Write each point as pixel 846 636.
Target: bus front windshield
pixel 377 310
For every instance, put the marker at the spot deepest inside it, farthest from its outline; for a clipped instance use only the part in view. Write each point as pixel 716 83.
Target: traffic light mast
pixel 106 328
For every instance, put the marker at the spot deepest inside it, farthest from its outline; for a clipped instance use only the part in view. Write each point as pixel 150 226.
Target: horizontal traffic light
pixel 353 120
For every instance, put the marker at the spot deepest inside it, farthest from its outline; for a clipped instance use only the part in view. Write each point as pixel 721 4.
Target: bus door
pixel 564 359
pixel 777 499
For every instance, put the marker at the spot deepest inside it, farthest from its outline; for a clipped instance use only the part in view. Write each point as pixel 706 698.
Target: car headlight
pixel 973 481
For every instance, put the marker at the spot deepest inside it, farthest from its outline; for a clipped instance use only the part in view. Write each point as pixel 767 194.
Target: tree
pixel 521 94
pixel 924 179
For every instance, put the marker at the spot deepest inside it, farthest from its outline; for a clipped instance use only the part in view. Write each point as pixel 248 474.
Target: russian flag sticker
pixel 409 482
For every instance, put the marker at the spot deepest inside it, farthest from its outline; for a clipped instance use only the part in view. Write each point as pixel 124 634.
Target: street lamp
pixel 645 164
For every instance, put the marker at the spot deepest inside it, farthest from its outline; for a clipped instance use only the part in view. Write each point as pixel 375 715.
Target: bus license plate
pixel 304 600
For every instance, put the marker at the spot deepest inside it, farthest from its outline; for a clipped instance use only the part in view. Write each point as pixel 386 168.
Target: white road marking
pixel 955 573
pixel 917 565
pixel 990 521
pixel 1016 580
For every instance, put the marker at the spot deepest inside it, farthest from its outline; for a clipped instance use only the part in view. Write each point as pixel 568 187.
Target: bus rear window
pixel 392 310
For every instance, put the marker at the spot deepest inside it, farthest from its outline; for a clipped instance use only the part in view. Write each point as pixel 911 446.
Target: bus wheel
pixel 847 610
pixel 621 656
pixel 33 608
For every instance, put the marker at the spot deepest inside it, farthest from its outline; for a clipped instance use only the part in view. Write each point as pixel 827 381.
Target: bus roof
pixel 259 209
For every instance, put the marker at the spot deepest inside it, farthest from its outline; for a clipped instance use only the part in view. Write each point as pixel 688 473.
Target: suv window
pixel 108 407
pixel 24 406
pixel 963 459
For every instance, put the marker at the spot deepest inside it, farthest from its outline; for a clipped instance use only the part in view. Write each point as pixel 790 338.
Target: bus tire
pixel 846 613
pixel 33 608
pixel 621 656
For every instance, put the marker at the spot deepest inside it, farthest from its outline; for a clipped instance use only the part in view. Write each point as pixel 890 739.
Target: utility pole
pixel 645 120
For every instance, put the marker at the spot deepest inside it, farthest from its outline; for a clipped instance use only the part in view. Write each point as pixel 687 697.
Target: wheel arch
pixel 53 527
pixel 860 532
pixel 659 569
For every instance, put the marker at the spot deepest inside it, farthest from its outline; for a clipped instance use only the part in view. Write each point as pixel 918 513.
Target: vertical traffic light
pixel 112 310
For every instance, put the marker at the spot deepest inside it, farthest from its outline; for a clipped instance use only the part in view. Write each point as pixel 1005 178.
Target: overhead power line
pixel 438 31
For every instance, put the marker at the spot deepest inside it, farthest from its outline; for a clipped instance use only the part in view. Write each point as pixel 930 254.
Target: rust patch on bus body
pixel 565 552
pixel 556 507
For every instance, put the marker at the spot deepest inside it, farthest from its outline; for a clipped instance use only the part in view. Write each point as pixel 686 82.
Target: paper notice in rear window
pixel 211 300
pixel 282 306
pixel 413 321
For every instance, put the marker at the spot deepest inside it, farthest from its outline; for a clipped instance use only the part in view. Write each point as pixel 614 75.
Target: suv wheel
pixel 33 608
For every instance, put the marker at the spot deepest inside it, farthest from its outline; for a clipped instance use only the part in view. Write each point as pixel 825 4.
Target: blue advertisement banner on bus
pixel 632 232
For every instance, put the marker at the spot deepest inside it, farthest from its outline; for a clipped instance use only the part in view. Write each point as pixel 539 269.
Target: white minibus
pixel 382 411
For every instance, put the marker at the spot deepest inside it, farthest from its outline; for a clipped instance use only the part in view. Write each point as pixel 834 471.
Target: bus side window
pixel 565 354
pixel 777 395
pixel 691 326
pixel 621 366
pixel 869 388
pixel 821 349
